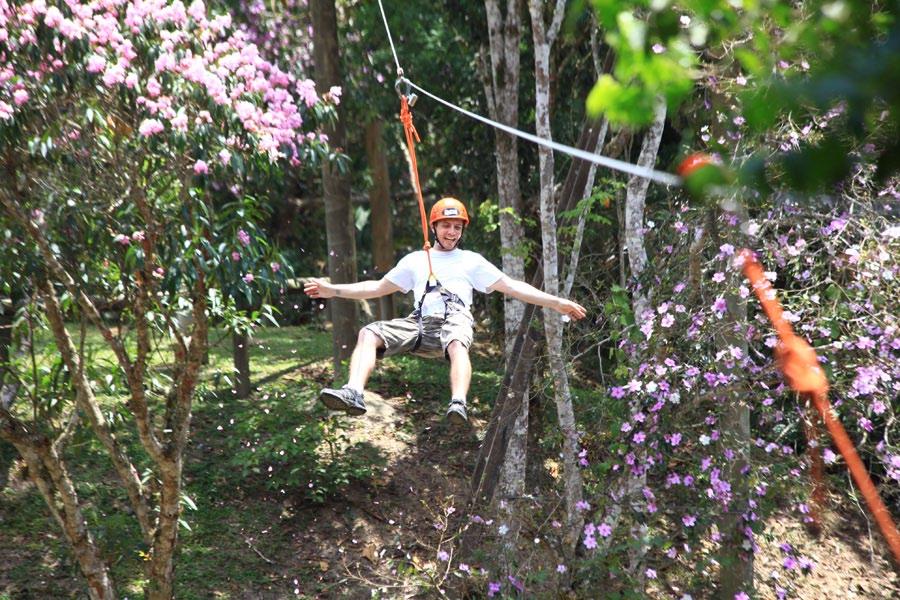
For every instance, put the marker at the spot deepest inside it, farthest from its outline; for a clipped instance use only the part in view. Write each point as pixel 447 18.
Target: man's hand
pixel 319 288
pixel 570 309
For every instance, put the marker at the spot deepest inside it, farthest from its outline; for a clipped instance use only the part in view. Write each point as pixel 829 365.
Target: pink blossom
pixel 95 64
pixel 138 236
pixel 604 530
pixel 150 127
pixel 20 97
pixel 275 266
pixel 159 272
pixel 153 87
pixel 224 156
pixel 53 17
pixel 197 11
pixel 201 168
pixel 122 239
pixel 235 256
pixel 307 92
pixel 243 237
pixel 248 278
pixel 179 123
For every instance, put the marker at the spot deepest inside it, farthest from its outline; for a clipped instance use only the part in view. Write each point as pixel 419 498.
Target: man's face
pixel 449 232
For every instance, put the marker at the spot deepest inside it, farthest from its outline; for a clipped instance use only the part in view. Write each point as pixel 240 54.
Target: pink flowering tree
pixel 117 121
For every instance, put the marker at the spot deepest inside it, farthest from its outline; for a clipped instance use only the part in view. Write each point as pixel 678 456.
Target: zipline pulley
pixel 404 89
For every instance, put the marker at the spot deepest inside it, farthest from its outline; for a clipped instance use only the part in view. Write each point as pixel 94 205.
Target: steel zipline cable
pixel 598 159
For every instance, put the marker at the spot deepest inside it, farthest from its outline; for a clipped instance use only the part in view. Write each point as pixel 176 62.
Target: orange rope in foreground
pixel 800 366
pixel 412 136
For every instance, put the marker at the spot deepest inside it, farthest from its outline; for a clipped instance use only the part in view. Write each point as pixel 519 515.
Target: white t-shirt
pixel 459 271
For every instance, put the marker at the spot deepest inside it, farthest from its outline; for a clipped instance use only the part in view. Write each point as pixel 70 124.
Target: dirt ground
pixel 382 535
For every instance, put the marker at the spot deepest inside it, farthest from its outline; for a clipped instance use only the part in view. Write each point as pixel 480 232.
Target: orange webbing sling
pixel 800 366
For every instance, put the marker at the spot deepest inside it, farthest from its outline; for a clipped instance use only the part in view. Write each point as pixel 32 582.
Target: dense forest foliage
pixel 173 173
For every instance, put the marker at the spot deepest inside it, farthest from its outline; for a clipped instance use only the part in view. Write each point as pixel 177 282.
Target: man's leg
pixel 362 361
pixel 460 377
pixel 460 369
pixel 350 397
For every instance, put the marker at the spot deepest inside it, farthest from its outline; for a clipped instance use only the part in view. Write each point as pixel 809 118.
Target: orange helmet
pixel 448 208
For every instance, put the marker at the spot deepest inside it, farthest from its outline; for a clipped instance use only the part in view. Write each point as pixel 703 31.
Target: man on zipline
pixel 441 325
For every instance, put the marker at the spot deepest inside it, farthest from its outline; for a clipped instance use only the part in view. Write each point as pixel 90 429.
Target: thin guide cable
pixel 605 161
pixel 390 39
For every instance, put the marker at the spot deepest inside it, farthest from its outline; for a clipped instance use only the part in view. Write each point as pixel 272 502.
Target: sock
pixel 354 388
pixel 463 400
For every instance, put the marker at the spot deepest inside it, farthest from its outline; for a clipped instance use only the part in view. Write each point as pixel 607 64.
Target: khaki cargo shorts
pixel 399 335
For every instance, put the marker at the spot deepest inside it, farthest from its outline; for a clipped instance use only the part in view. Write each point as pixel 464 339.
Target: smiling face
pixel 448 233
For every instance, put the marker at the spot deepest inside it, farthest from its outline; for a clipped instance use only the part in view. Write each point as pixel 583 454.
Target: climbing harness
pixel 798 362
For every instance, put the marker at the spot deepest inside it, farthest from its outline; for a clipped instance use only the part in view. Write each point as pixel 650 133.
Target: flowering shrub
pixel 124 128
pixel 187 76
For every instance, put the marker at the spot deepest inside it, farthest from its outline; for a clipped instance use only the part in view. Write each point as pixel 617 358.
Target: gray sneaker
pixel 456 414
pixel 346 399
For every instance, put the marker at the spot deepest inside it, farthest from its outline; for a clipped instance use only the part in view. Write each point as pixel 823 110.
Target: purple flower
pixel 741 596
pixel 604 530
pixel 561 568
pixel 689 520
pixel 582 505
pixel 248 278
pixel 493 588
pixel 443 556
pixel 243 237
pixel 590 542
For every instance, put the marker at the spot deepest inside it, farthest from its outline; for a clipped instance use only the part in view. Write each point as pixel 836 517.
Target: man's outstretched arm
pixel 528 293
pixel 362 290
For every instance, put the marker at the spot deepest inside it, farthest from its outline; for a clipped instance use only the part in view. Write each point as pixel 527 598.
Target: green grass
pixel 246 514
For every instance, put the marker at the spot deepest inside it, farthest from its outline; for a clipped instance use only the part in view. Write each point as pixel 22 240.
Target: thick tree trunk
pixel 543 37
pixel 380 204
pixel 339 226
pixel 240 346
pixel 502 92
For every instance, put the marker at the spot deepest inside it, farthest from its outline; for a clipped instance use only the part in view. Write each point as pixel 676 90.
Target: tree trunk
pixel 501 89
pixel 543 37
pixel 162 560
pixel 240 345
pixel 736 562
pixel 380 204
pixel 635 203
pixel 339 225
pixel 50 475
